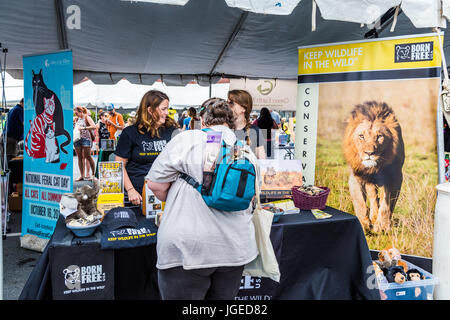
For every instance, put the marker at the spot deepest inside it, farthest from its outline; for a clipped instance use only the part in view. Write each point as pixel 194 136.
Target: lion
pixel 374 150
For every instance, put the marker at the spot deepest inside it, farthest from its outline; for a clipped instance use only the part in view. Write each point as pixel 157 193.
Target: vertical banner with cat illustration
pixel 48 146
pixel 366 128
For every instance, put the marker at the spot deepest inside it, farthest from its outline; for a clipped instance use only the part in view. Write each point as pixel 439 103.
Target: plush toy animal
pixel 390 257
pixel 414 275
pixel 377 269
pixel 86 196
pixel 395 274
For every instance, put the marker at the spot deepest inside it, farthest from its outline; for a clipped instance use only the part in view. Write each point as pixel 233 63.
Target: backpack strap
pixel 189 180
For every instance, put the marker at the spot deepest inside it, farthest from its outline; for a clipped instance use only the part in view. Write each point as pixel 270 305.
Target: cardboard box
pixel 14 202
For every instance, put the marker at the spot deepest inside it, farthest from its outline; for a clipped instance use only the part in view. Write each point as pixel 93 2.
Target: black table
pixel 318 259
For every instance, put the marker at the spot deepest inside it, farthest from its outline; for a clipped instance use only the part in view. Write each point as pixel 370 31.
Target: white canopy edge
pixel 422 13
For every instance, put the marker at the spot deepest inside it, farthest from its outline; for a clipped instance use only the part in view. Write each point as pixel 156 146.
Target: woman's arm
pixel 91 123
pixel 159 189
pixel 133 195
pixel 260 152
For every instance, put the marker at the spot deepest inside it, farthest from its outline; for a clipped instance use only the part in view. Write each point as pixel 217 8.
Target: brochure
pixel 110 176
pixel 151 205
pixel 279 176
pixel 108 201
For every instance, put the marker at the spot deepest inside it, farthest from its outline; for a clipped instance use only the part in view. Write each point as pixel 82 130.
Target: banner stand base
pixel 33 242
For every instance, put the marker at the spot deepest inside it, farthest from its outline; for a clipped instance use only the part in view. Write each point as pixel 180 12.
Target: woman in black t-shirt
pixel 140 143
pixel 102 130
pixel 242 103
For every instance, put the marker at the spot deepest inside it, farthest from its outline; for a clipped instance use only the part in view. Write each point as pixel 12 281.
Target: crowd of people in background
pixel 250 126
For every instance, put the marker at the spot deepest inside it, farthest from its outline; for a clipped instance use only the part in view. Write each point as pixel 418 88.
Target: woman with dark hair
pixel 189 121
pixel 266 123
pixel 102 128
pixel 201 250
pixel 84 123
pixel 140 143
pixel 241 103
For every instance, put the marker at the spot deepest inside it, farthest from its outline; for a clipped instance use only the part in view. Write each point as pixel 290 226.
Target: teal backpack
pixel 233 181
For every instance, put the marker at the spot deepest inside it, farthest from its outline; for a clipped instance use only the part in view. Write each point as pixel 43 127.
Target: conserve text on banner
pixel 366 128
pixel 48 146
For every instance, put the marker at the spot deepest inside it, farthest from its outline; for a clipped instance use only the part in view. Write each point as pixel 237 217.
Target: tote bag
pixel 76 134
pixel 265 264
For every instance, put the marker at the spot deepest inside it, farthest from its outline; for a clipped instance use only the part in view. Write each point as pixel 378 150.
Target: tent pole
pixel 236 30
pixel 210 88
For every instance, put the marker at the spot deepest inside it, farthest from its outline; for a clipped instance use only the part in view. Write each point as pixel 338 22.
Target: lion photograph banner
pixel 366 128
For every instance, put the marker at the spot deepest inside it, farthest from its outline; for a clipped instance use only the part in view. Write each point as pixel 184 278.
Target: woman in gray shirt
pixel 201 250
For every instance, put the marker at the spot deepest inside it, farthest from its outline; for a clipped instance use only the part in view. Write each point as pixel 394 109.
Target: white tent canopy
pixel 127 95
pixel 13 89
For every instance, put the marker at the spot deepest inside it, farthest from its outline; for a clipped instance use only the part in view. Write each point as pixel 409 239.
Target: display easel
pixel 4 172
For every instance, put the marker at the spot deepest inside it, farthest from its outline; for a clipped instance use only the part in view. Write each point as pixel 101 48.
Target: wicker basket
pixel 304 201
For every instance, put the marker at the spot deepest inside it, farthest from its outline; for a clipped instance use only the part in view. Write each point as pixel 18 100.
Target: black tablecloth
pixel 318 259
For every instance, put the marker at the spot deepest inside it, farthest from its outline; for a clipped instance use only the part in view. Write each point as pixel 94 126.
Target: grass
pixel 413 217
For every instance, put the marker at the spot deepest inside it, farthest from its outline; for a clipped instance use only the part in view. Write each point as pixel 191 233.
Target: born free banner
pixel 48 147
pixel 366 128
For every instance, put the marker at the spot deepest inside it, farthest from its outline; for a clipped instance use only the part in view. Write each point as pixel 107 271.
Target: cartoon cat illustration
pixel 41 92
pixel 37 129
pixel 51 145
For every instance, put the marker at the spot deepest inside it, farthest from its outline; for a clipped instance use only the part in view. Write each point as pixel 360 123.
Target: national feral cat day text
pixel 47 180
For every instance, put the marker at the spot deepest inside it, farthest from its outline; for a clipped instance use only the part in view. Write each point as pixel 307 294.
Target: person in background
pixel 141 143
pixel 14 128
pixel 102 130
pixel 192 113
pixel 285 126
pixel 115 122
pixel 276 116
pixel 201 251
pixel 181 119
pixel 172 113
pixel 195 122
pixel 241 103
pixel 266 123
pixel 131 119
pixel 86 125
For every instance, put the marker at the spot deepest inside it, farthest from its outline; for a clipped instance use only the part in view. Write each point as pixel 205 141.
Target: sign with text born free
pixel 48 147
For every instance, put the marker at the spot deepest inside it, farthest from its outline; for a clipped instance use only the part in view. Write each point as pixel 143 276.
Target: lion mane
pixel 373 112
pixel 374 150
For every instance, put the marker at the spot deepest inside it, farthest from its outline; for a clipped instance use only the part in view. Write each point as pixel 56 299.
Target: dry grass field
pixel 414 103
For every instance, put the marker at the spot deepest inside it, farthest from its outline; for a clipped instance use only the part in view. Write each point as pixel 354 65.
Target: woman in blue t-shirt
pixel 140 143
